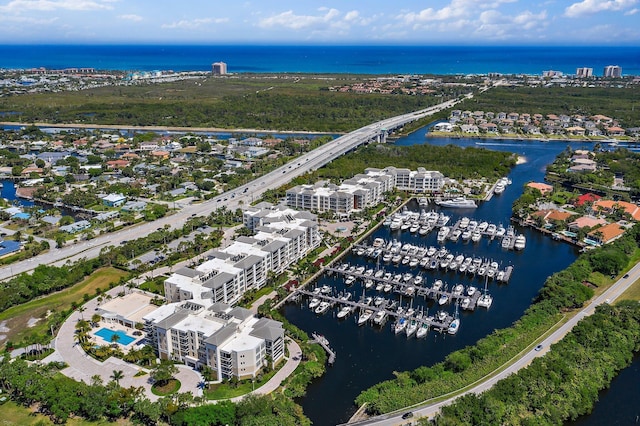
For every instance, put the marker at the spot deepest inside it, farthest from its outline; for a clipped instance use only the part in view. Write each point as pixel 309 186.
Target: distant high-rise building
pixel 612 71
pixel 552 73
pixel 219 68
pixel 584 72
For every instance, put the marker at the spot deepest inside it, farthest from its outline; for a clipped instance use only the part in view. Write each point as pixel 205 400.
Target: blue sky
pixel 435 22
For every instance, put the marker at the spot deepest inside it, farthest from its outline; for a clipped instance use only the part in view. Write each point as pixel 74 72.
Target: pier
pixel 322 341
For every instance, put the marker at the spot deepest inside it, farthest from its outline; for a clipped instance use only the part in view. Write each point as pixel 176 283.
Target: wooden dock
pixel 322 341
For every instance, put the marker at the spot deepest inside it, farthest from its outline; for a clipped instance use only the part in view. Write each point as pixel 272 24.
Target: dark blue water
pixel 618 405
pixel 368 355
pixel 326 59
pixel 9 192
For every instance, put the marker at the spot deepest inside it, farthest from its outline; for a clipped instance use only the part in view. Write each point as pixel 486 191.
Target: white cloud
pixel 194 23
pixel 454 10
pixel 292 21
pixel 134 18
pixel 18 6
pixel 27 20
pixel 588 7
pixel 632 12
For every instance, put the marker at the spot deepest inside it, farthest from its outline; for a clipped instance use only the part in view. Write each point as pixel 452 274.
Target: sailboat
pixel 455 324
pixel 485 300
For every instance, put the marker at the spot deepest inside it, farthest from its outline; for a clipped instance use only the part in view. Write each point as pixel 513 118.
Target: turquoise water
pixel 327 59
pixel 107 334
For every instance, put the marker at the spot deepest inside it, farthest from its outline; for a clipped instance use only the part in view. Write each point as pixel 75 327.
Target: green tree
pixel 163 372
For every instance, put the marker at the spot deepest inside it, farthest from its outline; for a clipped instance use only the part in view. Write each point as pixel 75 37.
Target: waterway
pixel 367 355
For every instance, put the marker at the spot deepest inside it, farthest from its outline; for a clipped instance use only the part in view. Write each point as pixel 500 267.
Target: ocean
pixel 326 59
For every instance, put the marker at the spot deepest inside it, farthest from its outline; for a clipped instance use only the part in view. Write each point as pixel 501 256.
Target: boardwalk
pixel 322 341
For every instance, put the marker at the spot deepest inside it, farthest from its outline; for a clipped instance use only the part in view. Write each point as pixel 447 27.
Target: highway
pixel 232 199
pixel 431 409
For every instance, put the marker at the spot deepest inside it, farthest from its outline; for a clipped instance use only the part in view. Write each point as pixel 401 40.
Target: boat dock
pixel 408 288
pixel 417 255
pixel 440 322
pixel 322 341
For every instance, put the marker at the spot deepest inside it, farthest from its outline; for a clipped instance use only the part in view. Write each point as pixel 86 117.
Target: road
pixel 430 410
pixel 232 199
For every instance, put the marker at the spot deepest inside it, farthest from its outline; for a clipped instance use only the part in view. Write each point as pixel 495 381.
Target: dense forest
pixel 563 384
pixel 61 398
pixel 453 161
pixel 561 292
pixel 618 103
pixel 243 102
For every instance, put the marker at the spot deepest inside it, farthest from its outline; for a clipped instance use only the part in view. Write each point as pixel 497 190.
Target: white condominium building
pixel 283 236
pixel 363 190
pixel 231 341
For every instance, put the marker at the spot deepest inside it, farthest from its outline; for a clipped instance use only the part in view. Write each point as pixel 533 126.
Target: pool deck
pixel 83 367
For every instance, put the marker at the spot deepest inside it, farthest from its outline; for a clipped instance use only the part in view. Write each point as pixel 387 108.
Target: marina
pixel 465 229
pixel 372 352
pixel 428 258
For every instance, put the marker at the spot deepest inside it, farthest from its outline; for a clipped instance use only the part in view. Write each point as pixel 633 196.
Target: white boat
pixel 387 288
pixel 396 258
pixel 322 307
pixel 380 317
pixel 465 303
pixel 379 286
pixel 368 283
pixel 400 325
pixel 424 230
pixel 458 202
pixel 458 289
pixel 520 243
pixel 431 251
pixel 499 188
pixel 378 242
pixel 345 311
pixel 491 230
pixel 475 237
pixel 443 219
pixel 405 226
pixel 455 235
pixel 437 285
pixel 365 316
pixel 466 235
pixel 454 326
pixel 500 231
pixel 414 227
pixel 412 328
pixel 407 276
pixel 313 303
pixel 414 262
pixel 325 289
pixel 471 290
pixel 422 330
pixel 395 224
pixel 379 273
pixel 464 222
pixel 346 296
pixel 443 299
pixel 379 300
pixel 485 301
pixel 482 226
pixel 443 233
pixel 506 242
pixel 349 280
pixel 423 201
pixel 417 280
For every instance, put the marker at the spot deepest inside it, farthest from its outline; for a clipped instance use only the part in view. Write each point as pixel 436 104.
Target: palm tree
pixel 117 374
pixel 115 338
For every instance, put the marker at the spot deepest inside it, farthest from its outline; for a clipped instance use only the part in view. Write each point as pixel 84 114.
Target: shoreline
pixel 524 138
pixel 163 128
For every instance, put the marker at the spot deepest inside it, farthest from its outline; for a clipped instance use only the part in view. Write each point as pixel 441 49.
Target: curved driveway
pixel 431 409
pixel 232 199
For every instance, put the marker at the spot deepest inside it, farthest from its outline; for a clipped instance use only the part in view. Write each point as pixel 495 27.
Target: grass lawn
pixel 14 414
pixel 225 391
pixel 27 318
pixel 172 386
pixel 632 293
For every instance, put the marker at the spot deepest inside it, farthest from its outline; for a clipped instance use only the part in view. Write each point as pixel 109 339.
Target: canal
pixel 367 355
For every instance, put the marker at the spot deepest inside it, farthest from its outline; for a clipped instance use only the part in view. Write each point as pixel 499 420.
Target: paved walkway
pixel 295 355
pixel 83 367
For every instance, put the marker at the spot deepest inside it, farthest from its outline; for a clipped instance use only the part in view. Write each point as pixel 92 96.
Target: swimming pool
pixel 106 335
